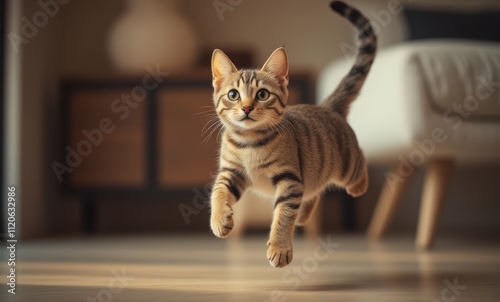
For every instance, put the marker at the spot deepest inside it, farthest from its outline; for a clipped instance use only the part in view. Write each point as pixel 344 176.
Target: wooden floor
pixel 211 269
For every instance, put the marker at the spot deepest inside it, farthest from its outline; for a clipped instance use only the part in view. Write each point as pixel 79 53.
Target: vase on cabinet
pixel 151 33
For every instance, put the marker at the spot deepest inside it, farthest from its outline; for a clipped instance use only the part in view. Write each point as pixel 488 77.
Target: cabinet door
pixel 119 159
pixel 186 158
pixel 293 95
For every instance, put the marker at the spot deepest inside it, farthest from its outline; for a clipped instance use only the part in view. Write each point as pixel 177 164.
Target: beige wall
pixel 311 33
pixel 84 41
pixel 309 30
pixel 84 28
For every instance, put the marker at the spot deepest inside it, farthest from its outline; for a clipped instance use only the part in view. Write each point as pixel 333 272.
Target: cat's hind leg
pixel 359 184
pixel 305 210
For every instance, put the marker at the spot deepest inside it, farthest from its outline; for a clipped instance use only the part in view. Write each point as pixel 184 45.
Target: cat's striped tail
pixel 349 87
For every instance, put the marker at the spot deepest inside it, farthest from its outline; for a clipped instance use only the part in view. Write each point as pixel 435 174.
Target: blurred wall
pixel 84 28
pixel 311 33
pixel 84 42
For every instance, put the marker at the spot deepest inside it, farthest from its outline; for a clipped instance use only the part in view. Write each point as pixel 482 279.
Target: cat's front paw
pixel 221 221
pixel 280 255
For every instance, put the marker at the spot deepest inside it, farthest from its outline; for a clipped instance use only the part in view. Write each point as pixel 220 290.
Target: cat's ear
pixel 221 67
pixel 277 65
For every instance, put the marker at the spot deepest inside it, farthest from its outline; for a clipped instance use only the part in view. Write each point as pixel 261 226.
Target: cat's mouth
pixel 247 118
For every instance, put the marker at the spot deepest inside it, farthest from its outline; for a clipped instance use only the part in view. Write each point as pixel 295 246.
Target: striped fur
pixel 289 153
pixel 349 87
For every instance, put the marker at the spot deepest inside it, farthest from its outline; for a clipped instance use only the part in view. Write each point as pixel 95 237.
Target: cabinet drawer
pixel 120 157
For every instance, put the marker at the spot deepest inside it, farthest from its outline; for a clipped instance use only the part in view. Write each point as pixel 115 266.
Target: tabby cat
pixel 290 154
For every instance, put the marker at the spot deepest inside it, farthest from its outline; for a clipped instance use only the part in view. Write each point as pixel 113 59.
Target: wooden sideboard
pixel 153 147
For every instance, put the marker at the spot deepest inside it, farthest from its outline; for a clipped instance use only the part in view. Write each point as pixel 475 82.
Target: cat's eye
pixel 233 95
pixel 262 95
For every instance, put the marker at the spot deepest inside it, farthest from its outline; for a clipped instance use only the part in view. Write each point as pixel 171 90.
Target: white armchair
pixel 432 103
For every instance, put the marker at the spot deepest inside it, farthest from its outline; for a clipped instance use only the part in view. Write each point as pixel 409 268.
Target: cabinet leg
pixel 349 212
pixel 89 219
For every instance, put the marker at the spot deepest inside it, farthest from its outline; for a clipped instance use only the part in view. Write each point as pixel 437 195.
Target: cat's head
pixel 250 99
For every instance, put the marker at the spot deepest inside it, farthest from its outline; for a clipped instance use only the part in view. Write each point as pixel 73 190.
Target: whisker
pixel 205 112
pixel 213 119
pixel 212 125
pixel 219 125
pixel 219 134
pixel 211 132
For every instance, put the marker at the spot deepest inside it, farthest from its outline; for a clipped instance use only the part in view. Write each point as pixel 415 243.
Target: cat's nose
pixel 247 109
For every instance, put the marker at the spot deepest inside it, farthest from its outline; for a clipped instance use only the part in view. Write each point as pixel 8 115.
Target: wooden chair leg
pixel 436 182
pixel 390 197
